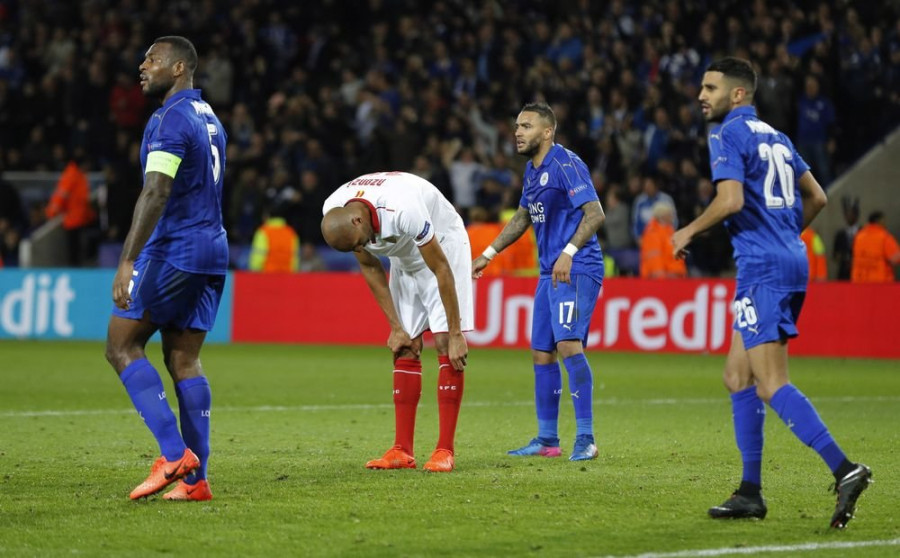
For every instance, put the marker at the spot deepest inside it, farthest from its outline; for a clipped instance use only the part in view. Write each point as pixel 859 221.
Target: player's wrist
pixel 570 249
pixel 489 253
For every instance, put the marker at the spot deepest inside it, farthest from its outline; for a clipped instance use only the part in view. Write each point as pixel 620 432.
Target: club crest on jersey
pixel 424 232
pixel 359 193
pixel 545 178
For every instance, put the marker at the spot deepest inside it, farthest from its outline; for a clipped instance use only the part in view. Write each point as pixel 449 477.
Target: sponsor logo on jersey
pixel 154 145
pixel 424 232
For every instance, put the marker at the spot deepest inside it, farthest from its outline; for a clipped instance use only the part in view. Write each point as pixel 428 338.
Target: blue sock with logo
pixel 146 390
pixel 194 402
pixel 801 417
pixel 581 386
pixel 749 415
pixel 547 389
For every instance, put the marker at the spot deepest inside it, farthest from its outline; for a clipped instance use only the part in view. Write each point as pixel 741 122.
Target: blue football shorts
pixel 763 315
pixel 175 299
pixel 563 313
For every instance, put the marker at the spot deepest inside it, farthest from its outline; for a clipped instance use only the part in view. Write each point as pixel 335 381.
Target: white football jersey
pixel 407 212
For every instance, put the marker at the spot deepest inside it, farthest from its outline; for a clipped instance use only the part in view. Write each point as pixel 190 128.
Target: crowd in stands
pixel 313 94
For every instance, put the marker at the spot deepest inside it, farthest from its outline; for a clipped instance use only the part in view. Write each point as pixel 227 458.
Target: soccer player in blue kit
pixel 559 201
pixel 172 269
pixel 758 174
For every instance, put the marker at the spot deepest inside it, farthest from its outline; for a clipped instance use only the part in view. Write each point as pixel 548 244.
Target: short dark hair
pixel 182 49
pixel 876 216
pixel 542 109
pixel 738 69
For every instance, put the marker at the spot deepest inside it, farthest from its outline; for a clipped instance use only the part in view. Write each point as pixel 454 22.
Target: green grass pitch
pixel 293 426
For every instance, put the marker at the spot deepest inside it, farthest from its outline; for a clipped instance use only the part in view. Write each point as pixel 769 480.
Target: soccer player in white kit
pixel 408 220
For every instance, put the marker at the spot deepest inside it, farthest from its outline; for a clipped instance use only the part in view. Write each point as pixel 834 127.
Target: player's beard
pixel 158 89
pixel 531 148
pixel 717 113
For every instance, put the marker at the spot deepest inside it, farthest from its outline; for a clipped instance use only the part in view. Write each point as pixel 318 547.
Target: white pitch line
pixel 804 547
pixel 598 403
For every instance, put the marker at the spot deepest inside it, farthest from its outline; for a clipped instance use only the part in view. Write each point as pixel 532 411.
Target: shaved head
pixel 347 228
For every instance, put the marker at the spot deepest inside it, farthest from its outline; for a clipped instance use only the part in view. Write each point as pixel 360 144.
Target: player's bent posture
pixel 406 218
pixel 759 175
pixel 560 202
pixel 172 269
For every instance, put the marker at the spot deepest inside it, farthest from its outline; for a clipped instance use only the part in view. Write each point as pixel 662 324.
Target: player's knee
pixel 765 392
pixel 568 349
pixel 408 353
pixel 115 356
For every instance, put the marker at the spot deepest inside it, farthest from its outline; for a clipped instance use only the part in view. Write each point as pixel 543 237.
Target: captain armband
pixel 162 162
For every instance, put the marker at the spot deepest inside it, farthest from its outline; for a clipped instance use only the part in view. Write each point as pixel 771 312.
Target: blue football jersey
pixel 553 194
pixel 189 234
pixel 765 233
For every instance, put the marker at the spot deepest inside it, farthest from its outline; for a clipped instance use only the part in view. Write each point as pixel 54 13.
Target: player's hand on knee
pixel 400 340
pixel 458 351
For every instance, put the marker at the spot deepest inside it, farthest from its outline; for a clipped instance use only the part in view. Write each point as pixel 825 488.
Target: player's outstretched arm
pixel 373 273
pixel 814 198
pixel 590 223
pixel 437 262
pixel 147 211
pixel 728 201
pixel 515 228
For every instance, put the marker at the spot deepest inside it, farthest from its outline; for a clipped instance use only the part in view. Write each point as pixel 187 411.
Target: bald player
pixel 406 219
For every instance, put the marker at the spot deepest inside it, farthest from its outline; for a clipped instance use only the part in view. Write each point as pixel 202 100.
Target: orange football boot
pixel 163 473
pixel 189 492
pixel 395 458
pixel 441 461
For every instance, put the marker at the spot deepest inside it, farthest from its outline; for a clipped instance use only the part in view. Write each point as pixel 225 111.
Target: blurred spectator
pixel 815 116
pixel 13 222
pixel 642 209
pixel 72 200
pixel 843 239
pixel 657 259
pixel 127 102
pixel 815 253
pixel 875 252
pixel 520 257
pixel 617 226
pixel 482 230
pixel 710 253
pixel 276 246
pixel 433 86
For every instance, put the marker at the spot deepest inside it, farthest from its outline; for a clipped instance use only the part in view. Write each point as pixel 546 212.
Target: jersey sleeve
pixel 414 222
pixel 725 159
pixel 169 144
pixel 575 178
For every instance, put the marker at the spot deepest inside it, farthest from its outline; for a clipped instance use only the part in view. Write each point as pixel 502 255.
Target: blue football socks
pixel 749 414
pixel 801 417
pixel 146 390
pixel 547 390
pixel 581 386
pixel 194 401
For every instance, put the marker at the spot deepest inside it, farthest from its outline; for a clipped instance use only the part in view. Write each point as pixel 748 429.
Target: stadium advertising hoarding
pixel 71 304
pixel 839 319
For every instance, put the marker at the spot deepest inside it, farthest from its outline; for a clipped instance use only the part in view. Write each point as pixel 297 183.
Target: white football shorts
pixel 418 300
